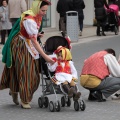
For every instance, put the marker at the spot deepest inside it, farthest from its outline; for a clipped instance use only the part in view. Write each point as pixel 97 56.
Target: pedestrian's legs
pixel 98 28
pixel 59 26
pixel 3 33
pixel 62 24
pixel 103 22
pixel 81 24
pixel 8 31
pixel 13 20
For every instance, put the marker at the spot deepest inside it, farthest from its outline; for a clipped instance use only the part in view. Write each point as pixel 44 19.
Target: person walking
pixel 79 5
pixel 21 55
pixel 16 8
pixel 6 25
pixel 100 75
pixel 100 15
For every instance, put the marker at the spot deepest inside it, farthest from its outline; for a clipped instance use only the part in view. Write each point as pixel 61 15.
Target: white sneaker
pixel 80 33
pixel 116 96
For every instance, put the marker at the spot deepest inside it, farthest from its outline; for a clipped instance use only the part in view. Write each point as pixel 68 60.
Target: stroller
pixel 49 87
pixel 113 21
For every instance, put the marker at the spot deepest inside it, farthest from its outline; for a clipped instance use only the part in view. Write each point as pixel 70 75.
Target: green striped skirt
pixel 23 76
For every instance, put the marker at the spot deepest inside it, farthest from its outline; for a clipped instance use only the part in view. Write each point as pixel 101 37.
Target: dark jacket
pixel 62 7
pixel 100 12
pixel 100 3
pixel 79 5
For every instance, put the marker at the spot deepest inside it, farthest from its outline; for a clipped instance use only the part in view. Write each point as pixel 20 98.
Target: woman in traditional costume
pixel 21 53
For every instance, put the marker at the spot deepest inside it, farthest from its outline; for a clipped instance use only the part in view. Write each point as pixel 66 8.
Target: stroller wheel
pixel 51 106
pixel 46 102
pixel 63 101
pixel 68 102
pixel 40 102
pixel 116 30
pixel 76 106
pixel 57 106
pixel 82 105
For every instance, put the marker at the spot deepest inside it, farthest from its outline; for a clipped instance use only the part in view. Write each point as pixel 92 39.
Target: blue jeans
pixel 81 22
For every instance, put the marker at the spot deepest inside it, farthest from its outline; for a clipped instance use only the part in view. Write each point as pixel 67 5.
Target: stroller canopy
pixel 53 42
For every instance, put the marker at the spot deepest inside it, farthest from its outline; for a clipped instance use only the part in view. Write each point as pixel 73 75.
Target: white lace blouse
pixel 32 29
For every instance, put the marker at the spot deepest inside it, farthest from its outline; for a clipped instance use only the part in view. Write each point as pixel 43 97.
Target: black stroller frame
pixel 48 87
pixel 112 22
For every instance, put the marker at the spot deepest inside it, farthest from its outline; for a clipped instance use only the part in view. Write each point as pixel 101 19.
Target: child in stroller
pixel 65 72
pixel 48 87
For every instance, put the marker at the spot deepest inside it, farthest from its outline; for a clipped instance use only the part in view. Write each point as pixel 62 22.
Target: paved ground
pixel 94 111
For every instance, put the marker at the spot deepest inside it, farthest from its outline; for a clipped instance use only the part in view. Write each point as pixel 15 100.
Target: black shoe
pixel 91 97
pixel 98 96
pixel 103 34
pixel 99 34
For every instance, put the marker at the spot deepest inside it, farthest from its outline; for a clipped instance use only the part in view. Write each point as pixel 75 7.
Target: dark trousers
pixel 100 24
pixel 108 86
pixel 13 20
pixel 62 24
pixel 3 35
pixel 80 19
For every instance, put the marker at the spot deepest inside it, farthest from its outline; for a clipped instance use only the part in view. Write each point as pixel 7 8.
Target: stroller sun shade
pixel 53 42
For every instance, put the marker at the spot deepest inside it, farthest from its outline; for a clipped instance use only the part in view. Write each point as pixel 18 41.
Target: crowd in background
pixel 79 6
pixel 10 11
pixel 8 15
